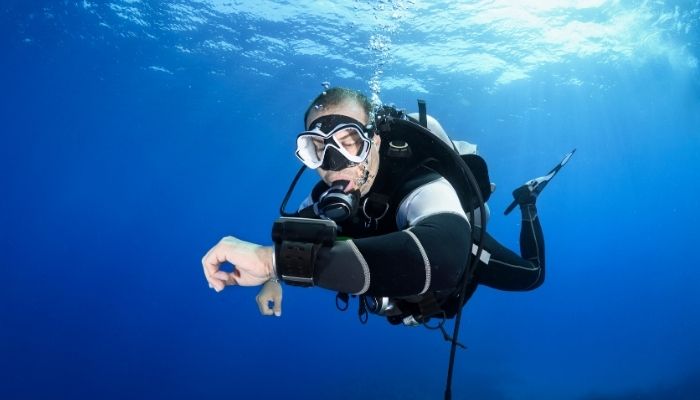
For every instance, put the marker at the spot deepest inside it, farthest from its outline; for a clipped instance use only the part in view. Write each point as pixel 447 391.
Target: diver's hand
pixel 252 264
pixel 524 195
pixel 527 193
pixel 270 292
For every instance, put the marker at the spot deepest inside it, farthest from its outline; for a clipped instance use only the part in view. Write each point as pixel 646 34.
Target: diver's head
pixel 339 141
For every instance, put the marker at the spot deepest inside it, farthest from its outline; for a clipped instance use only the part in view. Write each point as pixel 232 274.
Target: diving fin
pixel 535 186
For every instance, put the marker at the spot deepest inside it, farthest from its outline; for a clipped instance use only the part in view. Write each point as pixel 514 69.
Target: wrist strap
pixel 297 242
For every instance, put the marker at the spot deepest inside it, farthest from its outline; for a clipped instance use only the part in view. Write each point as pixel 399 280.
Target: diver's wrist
pixel 266 254
pixel 273 267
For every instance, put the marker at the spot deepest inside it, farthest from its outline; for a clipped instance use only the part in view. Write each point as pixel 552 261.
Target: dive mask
pixel 334 142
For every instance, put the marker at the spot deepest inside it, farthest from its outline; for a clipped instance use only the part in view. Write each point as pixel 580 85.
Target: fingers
pixel 211 262
pixel 211 266
pixel 263 305
pixel 270 299
pixel 229 278
pixel 277 308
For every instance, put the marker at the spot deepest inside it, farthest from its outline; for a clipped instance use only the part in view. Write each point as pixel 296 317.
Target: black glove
pixel 527 193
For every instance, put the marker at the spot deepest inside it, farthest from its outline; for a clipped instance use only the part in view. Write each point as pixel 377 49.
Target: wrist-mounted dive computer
pixel 297 242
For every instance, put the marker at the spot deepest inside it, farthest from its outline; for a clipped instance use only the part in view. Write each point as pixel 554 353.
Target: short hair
pixel 335 96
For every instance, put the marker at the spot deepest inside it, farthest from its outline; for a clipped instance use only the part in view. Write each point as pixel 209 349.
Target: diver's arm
pixel 532 238
pixel 506 270
pixel 530 267
pixel 425 257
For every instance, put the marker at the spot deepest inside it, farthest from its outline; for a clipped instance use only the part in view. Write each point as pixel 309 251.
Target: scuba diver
pixel 398 220
pixel 390 222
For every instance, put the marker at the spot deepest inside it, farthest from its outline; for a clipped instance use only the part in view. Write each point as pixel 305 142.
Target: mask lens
pixel 319 147
pixel 349 141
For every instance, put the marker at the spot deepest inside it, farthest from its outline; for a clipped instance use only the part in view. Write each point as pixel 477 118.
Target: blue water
pixel 134 135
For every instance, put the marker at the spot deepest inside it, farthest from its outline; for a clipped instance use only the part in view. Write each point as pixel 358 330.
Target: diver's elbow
pixel 538 279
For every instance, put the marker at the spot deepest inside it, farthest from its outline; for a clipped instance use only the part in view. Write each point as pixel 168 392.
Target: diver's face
pixel 354 173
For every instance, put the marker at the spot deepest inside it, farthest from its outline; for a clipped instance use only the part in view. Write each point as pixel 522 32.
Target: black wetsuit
pixel 422 244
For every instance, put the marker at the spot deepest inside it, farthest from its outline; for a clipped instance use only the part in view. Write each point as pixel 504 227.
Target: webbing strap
pixel 422 114
pixel 429 306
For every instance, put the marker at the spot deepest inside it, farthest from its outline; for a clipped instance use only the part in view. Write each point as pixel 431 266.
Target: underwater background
pixel 135 134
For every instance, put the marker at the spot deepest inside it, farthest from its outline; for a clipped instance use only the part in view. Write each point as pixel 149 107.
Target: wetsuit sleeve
pixel 428 256
pixel 501 268
pixel 429 253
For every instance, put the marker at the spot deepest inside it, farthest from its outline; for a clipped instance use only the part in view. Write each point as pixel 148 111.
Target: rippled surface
pixel 503 41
